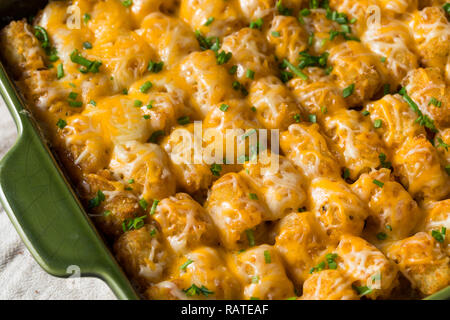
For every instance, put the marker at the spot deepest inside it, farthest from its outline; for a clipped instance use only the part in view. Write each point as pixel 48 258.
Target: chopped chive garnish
pixel 312 118
pixel 275 34
pixel 253 196
pixel 346 174
pixel 185 265
pixel 61 123
pixel 143 204
pixel 95 202
pixel 233 70
pixel 224 107
pixel 86 17
pixel 155 67
pixel 133 223
pixel 75 104
pixel 89 66
pixel 155 135
pixel 87 45
pixel 153 209
pixel 60 71
pixel 248 133
pixel 127 3
pixel 439 236
pixel 423 120
pixel 146 86
pixel 73 95
pixel 435 102
pixel 216 169
pixel 378 123
pixel 257 24
pixel 250 74
pixel 250 237
pixel 295 70
pixel 363 290
pixel 195 290
pixel 223 57
pixel 137 103
pixel 348 91
pixel 442 144
pixel 267 256
pixel 378 183
pixel 381 236
pixel 209 21
pixel 365 113
pixel 184 120
pixel 282 9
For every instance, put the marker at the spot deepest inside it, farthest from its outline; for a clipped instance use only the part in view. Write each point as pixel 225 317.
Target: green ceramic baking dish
pixel 40 201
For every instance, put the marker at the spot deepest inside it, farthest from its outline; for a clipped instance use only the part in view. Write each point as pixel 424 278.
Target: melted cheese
pixel 113 141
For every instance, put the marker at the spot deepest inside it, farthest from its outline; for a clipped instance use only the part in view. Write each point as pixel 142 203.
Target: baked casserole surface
pixel 358 205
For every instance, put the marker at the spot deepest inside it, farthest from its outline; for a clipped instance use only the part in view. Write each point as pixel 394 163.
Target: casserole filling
pixel 252 149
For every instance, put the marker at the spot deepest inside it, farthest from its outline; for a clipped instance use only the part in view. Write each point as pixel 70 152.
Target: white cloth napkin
pixel 20 276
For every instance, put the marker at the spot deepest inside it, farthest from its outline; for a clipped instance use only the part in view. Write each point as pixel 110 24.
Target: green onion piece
pixel 250 74
pixel 146 86
pixel 439 236
pixel 378 183
pixel 60 71
pixel 95 202
pixel 87 45
pixel 257 24
pixel 275 34
pixel 75 104
pixel 153 209
pixel 216 169
pixel 184 120
pixel 61 123
pixel 250 237
pixel 144 204
pixel 185 265
pixel 295 70
pixel 363 290
pixel 378 123
pixel 381 236
pixel 127 3
pixel 155 67
pixel 73 95
pixel 209 21
pixel 253 196
pixel 155 135
pixel 435 102
pixel 348 91
pixel 267 256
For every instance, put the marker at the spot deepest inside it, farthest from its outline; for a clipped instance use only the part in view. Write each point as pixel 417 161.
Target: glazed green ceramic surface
pixel 41 204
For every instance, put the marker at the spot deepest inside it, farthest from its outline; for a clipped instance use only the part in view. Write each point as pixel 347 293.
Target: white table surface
pixel 20 276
